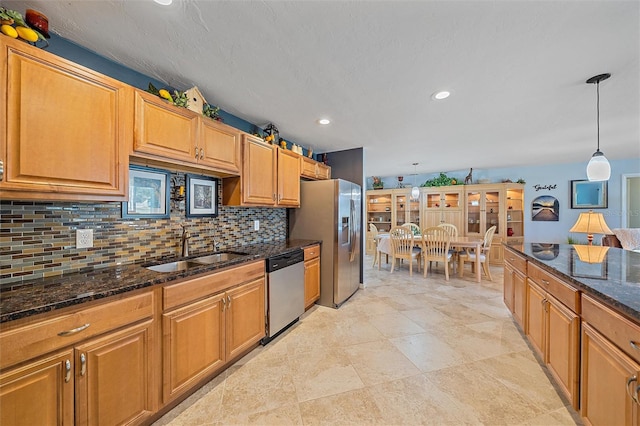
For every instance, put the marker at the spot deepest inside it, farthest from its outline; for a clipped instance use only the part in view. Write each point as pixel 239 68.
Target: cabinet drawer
pixel 621 331
pixel 311 252
pixel 554 286
pixel 518 262
pixel 197 288
pixel 36 339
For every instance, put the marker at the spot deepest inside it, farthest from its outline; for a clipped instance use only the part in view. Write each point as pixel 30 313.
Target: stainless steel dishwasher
pixel 285 292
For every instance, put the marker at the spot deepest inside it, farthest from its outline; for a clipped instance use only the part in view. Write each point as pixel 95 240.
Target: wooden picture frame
pixel 148 193
pixel 589 195
pixel 202 196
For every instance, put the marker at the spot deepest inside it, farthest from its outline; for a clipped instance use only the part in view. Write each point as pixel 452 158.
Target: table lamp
pixel 591 223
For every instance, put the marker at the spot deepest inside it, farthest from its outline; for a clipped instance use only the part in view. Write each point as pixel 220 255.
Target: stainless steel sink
pixel 180 265
pixel 183 265
pixel 218 257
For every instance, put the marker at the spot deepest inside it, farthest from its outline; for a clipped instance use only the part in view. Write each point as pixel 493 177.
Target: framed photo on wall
pixel 589 195
pixel 148 193
pixel 202 196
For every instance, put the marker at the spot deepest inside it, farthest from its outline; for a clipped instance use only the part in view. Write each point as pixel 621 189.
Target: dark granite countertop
pixel 48 294
pixel 615 281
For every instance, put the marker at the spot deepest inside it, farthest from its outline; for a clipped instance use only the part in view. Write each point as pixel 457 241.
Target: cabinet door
pixel 259 172
pixel 115 377
pixel 536 318
pixel 432 218
pixel 453 217
pixel 311 281
pixel 520 299
pixel 219 146
pixel 308 168
pixel 323 171
pixel 164 130
pixel 606 374
pixel 39 393
pixel 193 344
pixel 58 114
pixel 563 328
pixel 288 179
pixel 245 317
pixel 508 286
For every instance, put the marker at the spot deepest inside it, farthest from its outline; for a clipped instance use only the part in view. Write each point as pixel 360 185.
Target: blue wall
pixel 78 54
pixel 559 175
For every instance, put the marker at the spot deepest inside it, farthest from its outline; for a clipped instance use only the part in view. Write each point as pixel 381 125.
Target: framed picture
pixel 545 208
pixel 202 196
pixel 589 195
pixel 148 193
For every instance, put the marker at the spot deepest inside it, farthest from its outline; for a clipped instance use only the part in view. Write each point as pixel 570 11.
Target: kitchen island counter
pixel 615 281
pixel 27 298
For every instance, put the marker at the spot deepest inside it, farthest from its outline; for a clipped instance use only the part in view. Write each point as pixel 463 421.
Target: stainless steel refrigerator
pixel 330 211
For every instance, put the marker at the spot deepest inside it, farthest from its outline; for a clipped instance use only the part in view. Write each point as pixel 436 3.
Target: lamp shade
pixel 591 223
pixel 598 168
pixel 591 254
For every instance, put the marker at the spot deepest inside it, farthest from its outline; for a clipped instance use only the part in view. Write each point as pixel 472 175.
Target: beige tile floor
pixel 403 350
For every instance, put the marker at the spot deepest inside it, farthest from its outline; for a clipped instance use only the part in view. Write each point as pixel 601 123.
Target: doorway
pixel 631 200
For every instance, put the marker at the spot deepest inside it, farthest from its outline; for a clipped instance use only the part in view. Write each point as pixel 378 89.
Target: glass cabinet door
pixel 515 213
pixel 473 212
pixel 414 211
pixel 483 212
pixel 401 209
pixel 491 211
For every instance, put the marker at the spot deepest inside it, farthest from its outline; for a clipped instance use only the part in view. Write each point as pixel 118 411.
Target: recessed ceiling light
pixel 441 95
pixel 164 2
pixel 324 121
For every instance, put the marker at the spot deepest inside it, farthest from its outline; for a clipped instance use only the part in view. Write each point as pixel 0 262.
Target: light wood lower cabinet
pixel 311 275
pixel 115 378
pixel 39 393
pixel 610 377
pixel 53 113
pixel 106 377
pixel 208 322
pixel 554 332
pixel 515 286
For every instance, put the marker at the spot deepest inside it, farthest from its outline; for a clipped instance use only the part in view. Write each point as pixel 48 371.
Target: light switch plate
pixel 84 238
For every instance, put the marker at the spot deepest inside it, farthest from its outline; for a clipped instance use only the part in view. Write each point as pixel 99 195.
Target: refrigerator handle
pixel 352 227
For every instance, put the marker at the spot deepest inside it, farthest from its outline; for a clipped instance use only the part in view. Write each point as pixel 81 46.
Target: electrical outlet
pixel 84 238
pixel 256 225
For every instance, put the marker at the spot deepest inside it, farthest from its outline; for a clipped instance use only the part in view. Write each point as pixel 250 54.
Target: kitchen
pixel 233 227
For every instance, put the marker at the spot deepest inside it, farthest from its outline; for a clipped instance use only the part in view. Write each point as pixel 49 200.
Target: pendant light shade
pixel 598 168
pixel 415 191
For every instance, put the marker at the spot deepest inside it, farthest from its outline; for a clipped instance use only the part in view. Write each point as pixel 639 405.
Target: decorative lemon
pixel 9 30
pixel 27 34
pixel 164 93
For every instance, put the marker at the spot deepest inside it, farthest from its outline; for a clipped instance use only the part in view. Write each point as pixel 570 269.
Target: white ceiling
pixel 516 70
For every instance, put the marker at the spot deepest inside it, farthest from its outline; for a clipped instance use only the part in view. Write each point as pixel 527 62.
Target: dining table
pixel 384 246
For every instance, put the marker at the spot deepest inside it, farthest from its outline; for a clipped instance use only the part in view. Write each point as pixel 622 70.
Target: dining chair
pixel 435 247
pixel 469 255
pixel 414 228
pixel 402 247
pixel 453 231
pixel 374 232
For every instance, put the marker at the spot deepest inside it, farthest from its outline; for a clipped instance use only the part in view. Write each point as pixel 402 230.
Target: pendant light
pixel 415 191
pixel 598 168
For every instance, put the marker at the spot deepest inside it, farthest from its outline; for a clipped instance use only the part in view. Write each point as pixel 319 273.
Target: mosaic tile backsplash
pixel 38 239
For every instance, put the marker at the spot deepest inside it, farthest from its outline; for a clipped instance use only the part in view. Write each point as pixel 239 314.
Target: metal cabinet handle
pixel 74 330
pixel 224 304
pixel 634 345
pixel 201 153
pixel 196 156
pixel 229 300
pixel 83 364
pixel 67 371
pixel 274 196
pixel 545 282
pixel 631 380
pixel 1 169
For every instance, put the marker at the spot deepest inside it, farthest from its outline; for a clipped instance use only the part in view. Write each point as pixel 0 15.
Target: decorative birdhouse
pixel 196 100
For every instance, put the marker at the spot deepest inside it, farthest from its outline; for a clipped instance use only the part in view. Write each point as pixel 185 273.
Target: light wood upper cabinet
pixel 168 133
pixel 313 170
pixel 65 129
pixel 270 177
